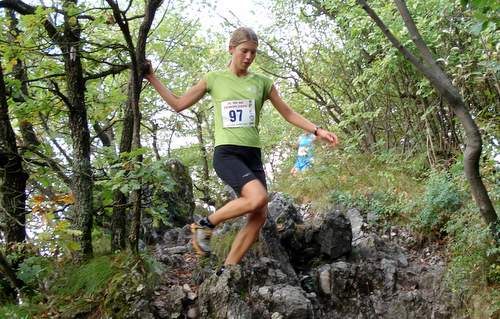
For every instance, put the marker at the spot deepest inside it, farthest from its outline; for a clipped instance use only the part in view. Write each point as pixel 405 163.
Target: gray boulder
pixel 284 301
pixel 326 237
pixel 329 236
pixel 224 297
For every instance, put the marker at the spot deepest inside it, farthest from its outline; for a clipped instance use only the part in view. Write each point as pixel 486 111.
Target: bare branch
pixel 395 42
pixel 53 164
pixel 414 34
pixel 112 71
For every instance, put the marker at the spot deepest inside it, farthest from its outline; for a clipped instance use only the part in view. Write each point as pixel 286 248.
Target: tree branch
pixel 414 34
pixel 395 42
pixel 113 70
pixel 54 165
pixel 25 9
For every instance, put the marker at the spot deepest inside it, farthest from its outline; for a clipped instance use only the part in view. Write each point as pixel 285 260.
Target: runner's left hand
pixel 328 136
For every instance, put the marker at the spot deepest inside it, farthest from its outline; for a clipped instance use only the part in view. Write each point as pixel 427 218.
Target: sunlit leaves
pixel 486 14
pixel 54 233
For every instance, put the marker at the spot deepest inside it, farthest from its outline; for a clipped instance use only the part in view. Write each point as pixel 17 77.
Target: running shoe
pixel 201 239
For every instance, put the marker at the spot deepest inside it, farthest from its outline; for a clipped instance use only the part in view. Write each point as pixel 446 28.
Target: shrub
pixel 440 199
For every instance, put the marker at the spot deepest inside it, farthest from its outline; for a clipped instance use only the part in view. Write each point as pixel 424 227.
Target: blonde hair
pixel 243 34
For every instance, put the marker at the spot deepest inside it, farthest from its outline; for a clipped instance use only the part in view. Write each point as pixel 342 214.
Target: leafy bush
pixel 440 199
pixel 34 270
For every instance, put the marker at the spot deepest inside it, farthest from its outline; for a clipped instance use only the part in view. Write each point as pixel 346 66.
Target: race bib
pixel 238 113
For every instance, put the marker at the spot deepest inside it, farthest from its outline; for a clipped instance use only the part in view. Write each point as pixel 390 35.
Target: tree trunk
pixel 205 178
pixel 12 177
pixel 82 171
pixel 135 82
pixel 133 121
pixel 119 214
pixel 472 154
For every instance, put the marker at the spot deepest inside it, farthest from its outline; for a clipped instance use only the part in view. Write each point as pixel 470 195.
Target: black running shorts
pixel 237 165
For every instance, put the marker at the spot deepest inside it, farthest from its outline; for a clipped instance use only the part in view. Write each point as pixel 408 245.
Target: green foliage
pixel 33 270
pixel 25 311
pixel 485 13
pixel 440 200
pixel 56 236
pixel 87 279
pixel 474 264
pixel 109 284
pixel 385 206
pixel 128 174
pixel 30 267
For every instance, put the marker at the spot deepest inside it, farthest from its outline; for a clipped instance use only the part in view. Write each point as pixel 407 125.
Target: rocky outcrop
pixel 313 267
pixel 324 238
pixel 225 296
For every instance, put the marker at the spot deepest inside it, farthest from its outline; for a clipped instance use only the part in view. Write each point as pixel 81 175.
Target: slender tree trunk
pixel 204 157
pixel 119 214
pixel 133 121
pixel 136 198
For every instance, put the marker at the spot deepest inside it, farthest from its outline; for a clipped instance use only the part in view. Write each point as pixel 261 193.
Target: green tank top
pixel 237 102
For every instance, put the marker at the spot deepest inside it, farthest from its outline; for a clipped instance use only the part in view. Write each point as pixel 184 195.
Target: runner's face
pixel 243 54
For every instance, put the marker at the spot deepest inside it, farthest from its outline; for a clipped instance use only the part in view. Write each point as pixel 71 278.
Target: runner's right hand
pixel 148 68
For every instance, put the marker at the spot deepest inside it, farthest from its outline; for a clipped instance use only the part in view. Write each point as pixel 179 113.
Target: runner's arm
pixel 178 103
pixel 298 120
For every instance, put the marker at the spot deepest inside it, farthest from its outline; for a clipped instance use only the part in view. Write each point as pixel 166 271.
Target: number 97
pixel 233 116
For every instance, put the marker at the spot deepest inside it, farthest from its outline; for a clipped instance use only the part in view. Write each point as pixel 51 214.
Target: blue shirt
pixel 305 152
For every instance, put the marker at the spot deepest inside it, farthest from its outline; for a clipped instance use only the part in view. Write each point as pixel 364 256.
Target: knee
pixel 258 203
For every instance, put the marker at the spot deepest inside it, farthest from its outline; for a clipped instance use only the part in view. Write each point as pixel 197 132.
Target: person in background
pixel 304 153
pixel 238 95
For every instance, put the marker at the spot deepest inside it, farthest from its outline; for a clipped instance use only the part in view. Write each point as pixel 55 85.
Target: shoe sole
pixel 197 247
